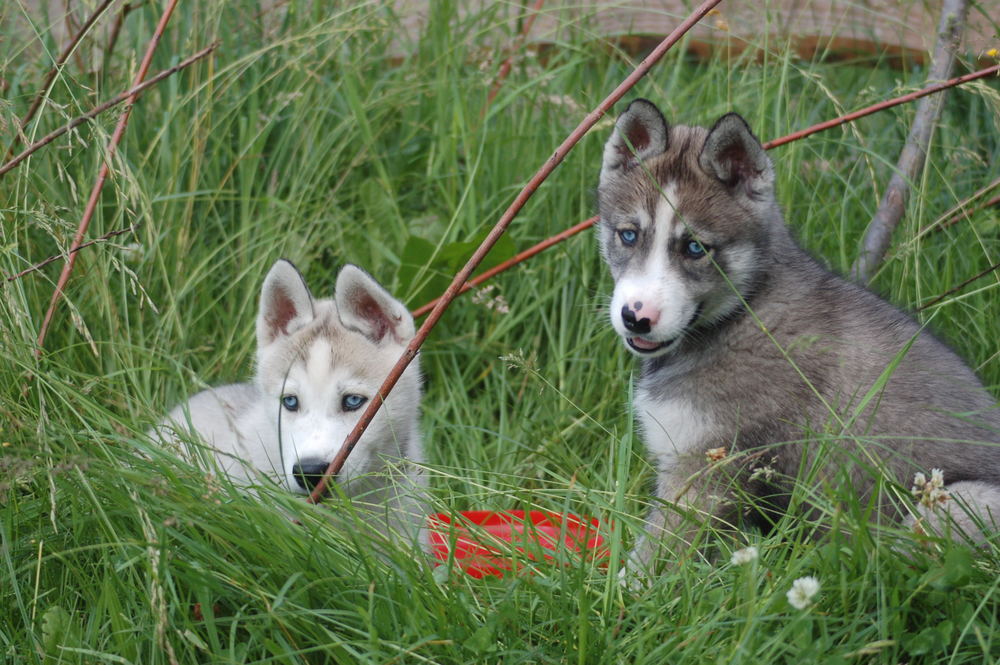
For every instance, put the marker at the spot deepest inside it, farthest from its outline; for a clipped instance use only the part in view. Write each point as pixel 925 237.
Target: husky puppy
pixel 319 362
pixel 753 353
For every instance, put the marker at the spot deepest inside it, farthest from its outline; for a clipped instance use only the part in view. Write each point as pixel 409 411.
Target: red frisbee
pixel 480 541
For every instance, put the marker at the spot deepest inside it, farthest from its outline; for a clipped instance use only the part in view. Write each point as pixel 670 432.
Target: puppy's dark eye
pixel 694 249
pixel 290 402
pixel 353 402
pixel 628 236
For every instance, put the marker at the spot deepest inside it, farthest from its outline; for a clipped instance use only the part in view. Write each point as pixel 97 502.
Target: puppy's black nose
pixel 309 472
pixel 638 326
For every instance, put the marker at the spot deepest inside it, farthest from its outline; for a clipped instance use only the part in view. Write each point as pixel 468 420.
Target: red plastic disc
pixel 482 542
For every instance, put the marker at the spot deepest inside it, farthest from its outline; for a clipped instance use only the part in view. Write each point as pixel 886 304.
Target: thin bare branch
pixel 513 261
pixel 95 193
pixel 116 29
pixel 499 228
pixel 509 62
pixel 914 153
pixel 56 257
pixel 959 287
pixel 962 210
pixel 97 110
pixel 794 136
pixel 56 68
pixel 881 106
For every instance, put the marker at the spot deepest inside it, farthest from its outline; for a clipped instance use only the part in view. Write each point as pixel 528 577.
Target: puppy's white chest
pixel 671 427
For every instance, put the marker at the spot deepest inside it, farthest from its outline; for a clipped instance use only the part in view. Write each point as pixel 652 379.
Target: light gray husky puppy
pixel 319 362
pixel 752 352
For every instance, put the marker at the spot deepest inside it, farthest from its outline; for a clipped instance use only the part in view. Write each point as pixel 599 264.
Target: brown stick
pixel 959 287
pixel 95 193
pixel 881 106
pixel 914 153
pixel 992 202
pixel 795 136
pixel 513 261
pixel 463 275
pixel 70 21
pixel 509 62
pixel 959 212
pixel 56 68
pixel 131 93
pixel 56 257
pixel 116 29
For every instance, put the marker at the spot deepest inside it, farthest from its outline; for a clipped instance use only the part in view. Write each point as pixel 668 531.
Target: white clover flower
pixel 745 555
pixel 801 594
pixel 930 492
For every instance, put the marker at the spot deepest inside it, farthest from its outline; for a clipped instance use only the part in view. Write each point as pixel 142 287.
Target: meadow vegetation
pixel 327 135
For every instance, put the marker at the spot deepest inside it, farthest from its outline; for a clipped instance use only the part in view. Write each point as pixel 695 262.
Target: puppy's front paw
pixel 635 574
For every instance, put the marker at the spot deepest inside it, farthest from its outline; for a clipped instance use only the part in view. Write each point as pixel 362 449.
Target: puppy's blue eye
pixel 353 402
pixel 695 250
pixel 628 236
pixel 290 402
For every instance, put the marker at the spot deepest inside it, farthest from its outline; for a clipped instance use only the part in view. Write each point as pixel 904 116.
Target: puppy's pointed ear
pixel 734 156
pixel 365 306
pixel 285 303
pixel 640 133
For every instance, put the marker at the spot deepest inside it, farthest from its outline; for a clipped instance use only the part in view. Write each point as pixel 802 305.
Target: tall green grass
pixel 329 136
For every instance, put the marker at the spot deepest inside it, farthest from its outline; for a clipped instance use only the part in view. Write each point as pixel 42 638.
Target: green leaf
pixel 420 276
pixel 457 254
pixel 930 640
pixel 957 567
pixel 483 640
pixel 58 631
pixel 376 201
pixel 424 274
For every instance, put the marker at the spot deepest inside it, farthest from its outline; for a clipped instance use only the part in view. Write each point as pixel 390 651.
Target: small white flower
pixel 497 303
pixel 930 492
pixel 482 295
pixel 745 555
pixel 801 594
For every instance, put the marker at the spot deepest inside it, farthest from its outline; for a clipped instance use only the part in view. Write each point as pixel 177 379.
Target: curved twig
pixel 513 261
pixel 961 210
pixel 961 286
pixel 116 29
pixel 509 62
pixel 56 257
pixel 131 93
pixel 56 68
pixel 881 106
pixel 794 136
pixel 498 229
pixel 95 193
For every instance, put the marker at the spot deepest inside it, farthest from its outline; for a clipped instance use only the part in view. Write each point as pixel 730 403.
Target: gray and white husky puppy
pixel 752 352
pixel 319 362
